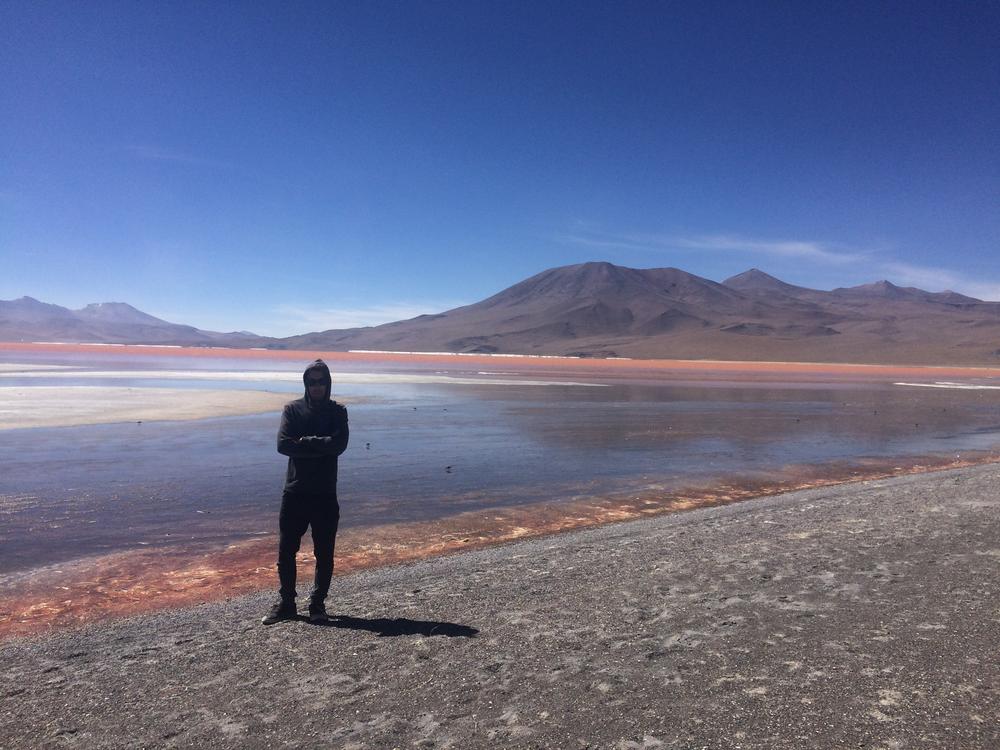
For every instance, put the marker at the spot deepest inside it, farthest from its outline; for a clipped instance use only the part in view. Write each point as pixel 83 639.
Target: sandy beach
pixel 862 615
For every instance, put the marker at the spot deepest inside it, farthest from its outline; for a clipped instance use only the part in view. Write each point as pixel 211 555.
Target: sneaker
pixel 281 611
pixel 317 613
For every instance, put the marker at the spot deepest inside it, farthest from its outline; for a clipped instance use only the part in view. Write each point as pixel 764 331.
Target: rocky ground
pixel 859 616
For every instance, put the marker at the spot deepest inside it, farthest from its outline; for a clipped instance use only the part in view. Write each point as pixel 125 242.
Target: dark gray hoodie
pixel 312 435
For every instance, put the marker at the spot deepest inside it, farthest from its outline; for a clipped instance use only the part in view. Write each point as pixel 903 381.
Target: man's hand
pixel 310 438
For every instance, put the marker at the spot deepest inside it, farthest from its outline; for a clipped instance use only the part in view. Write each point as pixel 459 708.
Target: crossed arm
pixel 311 446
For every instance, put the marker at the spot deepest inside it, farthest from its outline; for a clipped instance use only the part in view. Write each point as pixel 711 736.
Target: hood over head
pixel 318 369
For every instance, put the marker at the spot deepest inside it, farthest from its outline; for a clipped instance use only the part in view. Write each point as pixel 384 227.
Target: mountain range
pixel 601 310
pixel 27 319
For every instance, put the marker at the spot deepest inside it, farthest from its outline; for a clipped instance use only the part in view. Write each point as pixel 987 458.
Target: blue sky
pixel 286 167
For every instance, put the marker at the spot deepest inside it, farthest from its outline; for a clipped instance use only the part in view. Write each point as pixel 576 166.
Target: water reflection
pixel 441 463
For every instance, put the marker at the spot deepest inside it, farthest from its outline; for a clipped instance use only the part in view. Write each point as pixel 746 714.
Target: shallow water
pixel 422 451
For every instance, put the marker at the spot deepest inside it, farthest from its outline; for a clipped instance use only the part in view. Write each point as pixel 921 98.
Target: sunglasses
pixel 315 381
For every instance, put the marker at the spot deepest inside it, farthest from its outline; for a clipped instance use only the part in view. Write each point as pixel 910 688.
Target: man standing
pixel 313 433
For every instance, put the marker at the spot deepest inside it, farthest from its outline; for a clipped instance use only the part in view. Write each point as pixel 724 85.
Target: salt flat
pixel 64 406
pixel 17 369
pixel 272 376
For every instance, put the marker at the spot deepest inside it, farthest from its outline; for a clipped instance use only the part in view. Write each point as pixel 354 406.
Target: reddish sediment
pixel 607 367
pixel 139 581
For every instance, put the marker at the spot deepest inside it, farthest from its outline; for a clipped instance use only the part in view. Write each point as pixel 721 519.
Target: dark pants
pixel 298 512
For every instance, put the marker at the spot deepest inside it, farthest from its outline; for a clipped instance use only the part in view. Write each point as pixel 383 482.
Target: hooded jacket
pixel 312 434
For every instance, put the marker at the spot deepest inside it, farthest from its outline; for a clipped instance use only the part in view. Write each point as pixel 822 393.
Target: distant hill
pixel 27 319
pixel 599 309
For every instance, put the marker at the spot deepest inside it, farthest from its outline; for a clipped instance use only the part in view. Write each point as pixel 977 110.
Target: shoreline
pixel 617 366
pixel 861 615
pixel 77 592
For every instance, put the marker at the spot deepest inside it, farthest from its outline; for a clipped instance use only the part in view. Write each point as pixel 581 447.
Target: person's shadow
pixel 388 627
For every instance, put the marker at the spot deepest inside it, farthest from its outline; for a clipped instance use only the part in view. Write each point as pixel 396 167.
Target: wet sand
pixel 861 615
pixel 64 406
pixel 93 589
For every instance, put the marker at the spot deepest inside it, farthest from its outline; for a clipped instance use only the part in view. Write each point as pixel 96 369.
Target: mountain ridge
pixel 27 318
pixel 601 309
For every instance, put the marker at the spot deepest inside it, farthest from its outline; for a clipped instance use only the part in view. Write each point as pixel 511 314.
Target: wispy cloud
pixel 938 279
pixel 295 319
pixel 805 249
pixel 873 262
pixel 157 153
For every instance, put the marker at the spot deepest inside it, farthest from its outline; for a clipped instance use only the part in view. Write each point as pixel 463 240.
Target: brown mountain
pixel 755 281
pixel 599 309
pixel 27 319
pixel 553 311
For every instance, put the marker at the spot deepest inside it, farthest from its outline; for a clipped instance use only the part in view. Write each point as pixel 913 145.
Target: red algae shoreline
pixel 609 366
pixel 142 581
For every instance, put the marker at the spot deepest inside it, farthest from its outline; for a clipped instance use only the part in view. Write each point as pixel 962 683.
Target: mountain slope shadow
pixel 387 627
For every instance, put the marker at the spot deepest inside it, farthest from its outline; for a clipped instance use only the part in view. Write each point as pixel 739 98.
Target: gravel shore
pixel 864 615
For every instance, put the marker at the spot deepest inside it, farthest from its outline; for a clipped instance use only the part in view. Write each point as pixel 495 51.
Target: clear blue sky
pixel 284 167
